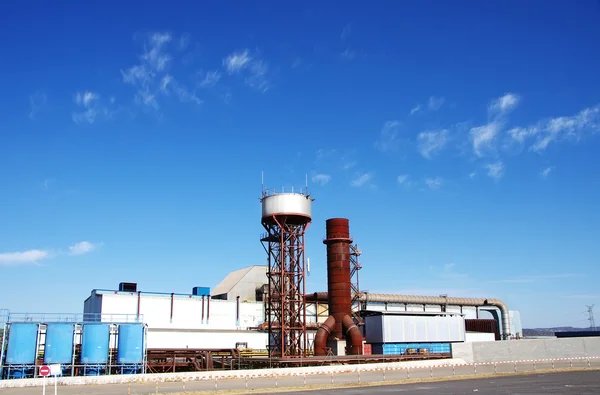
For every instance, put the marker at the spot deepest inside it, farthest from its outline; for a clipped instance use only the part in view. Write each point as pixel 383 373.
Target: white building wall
pixel 186 312
pixel 203 339
pixel 471 337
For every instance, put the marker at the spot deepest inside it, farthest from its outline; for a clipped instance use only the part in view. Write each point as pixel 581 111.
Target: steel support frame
pixel 285 307
pixel 355 286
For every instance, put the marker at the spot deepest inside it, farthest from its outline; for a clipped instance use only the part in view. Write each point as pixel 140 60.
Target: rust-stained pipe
pixel 172 302
pixel 338 271
pixel 203 309
pixel 322 335
pixel 353 336
pixel 139 302
pixel 434 300
pixel 207 307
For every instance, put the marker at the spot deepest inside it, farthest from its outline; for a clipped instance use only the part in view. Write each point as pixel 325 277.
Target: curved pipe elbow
pixel 353 336
pixel 320 342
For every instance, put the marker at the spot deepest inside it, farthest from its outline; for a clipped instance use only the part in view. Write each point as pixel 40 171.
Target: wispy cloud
pixel 151 77
pixel 415 109
pixel 536 278
pixel 37 102
pixel 388 137
pixel 208 79
pixel 495 170
pixel 402 179
pixel 557 129
pixel 545 173
pixel 321 179
pixel 253 69
pixel 34 256
pixel 434 183
pixel 23 257
pixel 82 248
pixel 431 142
pixel 435 103
pixel 362 179
pixel 90 108
pixel 346 31
pixel 449 271
pixel 483 137
pixel 504 104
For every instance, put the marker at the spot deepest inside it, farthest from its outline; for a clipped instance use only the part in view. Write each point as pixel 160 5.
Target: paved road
pixel 580 383
pixel 271 383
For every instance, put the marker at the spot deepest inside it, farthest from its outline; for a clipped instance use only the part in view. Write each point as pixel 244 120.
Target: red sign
pixel 44 370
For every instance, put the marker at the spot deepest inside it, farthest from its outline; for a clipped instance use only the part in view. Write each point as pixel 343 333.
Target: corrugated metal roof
pixel 232 279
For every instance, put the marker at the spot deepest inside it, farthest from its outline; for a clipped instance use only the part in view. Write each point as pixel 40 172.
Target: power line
pixel 590 310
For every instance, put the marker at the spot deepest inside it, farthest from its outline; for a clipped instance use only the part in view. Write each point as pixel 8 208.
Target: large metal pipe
pixel 434 300
pixel 320 342
pixel 338 271
pixel 442 300
pixel 353 336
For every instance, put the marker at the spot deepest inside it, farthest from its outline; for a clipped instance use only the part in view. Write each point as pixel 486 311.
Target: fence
pixel 326 376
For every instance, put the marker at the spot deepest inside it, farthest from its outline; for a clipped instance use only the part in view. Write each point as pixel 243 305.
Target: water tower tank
pixel 296 207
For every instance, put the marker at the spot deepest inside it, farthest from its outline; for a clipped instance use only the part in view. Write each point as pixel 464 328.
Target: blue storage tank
pixel 95 343
pixel 59 343
pixel 22 344
pixel 131 344
pixel 201 291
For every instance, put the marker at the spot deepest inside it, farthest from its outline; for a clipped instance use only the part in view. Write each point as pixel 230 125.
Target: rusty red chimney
pixel 339 325
pixel 338 271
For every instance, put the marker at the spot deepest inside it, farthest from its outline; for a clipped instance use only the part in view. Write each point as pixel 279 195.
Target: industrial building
pixel 255 312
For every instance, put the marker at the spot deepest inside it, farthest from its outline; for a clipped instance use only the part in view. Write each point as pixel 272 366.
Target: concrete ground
pixel 580 383
pixel 326 381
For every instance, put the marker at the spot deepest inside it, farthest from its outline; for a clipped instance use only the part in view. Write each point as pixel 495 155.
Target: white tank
pixel 287 204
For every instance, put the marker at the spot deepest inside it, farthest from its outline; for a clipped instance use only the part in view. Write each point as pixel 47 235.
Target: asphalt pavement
pixel 580 383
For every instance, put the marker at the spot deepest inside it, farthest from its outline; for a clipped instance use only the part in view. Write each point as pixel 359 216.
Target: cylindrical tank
pixel 131 344
pixel 22 344
pixel 95 343
pixel 338 271
pixel 59 343
pixel 296 207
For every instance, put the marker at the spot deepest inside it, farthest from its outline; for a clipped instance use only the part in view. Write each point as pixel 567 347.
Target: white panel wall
pixel 409 329
pixel 201 339
pixel 187 311
pixel 479 337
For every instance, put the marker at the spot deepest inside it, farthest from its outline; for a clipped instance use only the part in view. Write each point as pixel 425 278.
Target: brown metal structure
pixel 190 360
pixel 285 306
pixel 339 325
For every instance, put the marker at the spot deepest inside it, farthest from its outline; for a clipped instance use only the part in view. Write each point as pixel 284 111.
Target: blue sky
pixel 458 139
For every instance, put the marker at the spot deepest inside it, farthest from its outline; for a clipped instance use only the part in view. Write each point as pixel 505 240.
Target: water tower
pixel 285 216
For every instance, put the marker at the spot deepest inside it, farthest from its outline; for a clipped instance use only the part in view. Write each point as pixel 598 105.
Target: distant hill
pixel 550 331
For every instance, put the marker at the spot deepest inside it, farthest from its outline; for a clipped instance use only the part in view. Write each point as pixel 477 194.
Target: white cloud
pixel 388 138
pixel 495 170
pixel 545 132
pixel 90 108
pixel 30 256
pixel 37 101
pixel 434 103
pixel 546 172
pixel 82 248
pixel 483 137
pixel 415 109
pixel 254 69
pixel 321 179
pixel 434 183
pixel 209 79
pixel 361 179
pixel 151 76
pixel 449 271
pixel 402 179
pixel 504 104
pixel 431 142
pixel 472 175
pixel 237 61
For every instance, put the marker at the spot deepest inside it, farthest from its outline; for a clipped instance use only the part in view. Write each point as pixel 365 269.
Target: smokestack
pixel 339 324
